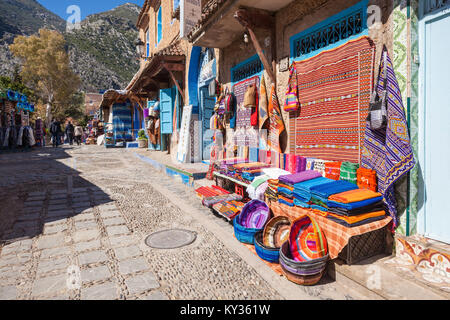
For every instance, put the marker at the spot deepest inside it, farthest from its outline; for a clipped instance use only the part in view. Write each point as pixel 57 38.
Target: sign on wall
pixel 183 145
pixel 190 14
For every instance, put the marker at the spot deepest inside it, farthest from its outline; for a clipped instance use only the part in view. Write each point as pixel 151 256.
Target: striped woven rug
pixel 334 89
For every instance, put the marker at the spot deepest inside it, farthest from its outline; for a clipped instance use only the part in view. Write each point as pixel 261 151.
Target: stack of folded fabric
pixel 321 193
pixel 257 188
pixel 356 207
pixel 287 184
pixel 302 191
pixel 272 190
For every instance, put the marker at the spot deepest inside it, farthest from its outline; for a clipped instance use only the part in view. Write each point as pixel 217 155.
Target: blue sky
pixel 87 6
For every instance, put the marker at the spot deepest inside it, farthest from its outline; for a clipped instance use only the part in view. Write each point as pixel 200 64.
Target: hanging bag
pixel 250 97
pixel 377 117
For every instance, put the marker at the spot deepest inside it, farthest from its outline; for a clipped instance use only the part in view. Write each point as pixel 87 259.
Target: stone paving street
pixel 73 225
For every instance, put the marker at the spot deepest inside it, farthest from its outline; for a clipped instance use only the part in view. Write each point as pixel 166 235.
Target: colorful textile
pixel 367 179
pixel 243 115
pixel 353 205
pixel 254 215
pixel 334 90
pixel 354 196
pixel 209 202
pixel 122 121
pixel 292 163
pixel 388 150
pixel 334 187
pixel 377 206
pixel 291 102
pixel 301 204
pixel 348 172
pixel 300 164
pixel 319 166
pixel 310 163
pixel 277 127
pixel 263 106
pixel 302 190
pixel 229 209
pixel 300 177
pixel 337 235
pixel 306 240
pixel 333 170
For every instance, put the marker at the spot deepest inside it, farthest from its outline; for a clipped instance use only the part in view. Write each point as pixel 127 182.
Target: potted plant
pixel 142 139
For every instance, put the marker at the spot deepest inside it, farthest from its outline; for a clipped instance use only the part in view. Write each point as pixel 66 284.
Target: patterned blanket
pixel 388 150
pixel 334 90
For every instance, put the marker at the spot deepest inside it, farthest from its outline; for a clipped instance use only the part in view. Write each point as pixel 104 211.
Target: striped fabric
pixel 334 89
pixel 122 124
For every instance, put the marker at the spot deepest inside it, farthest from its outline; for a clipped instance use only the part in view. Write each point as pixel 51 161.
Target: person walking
pixel 78 134
pixel 55 130
pixel 70 132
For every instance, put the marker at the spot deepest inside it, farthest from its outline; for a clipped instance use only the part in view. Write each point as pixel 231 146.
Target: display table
pixel 361 242
pixel 218 175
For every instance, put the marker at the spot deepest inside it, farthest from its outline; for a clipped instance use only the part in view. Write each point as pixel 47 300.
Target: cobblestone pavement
pixel 74 223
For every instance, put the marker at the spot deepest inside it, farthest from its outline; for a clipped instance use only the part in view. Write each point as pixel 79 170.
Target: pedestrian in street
pixel 70 132
pixel 78 134
pixel 55 130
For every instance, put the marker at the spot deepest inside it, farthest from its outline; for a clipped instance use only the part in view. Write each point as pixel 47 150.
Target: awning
pixel 218 28
pixel 158 69
pixel 118 96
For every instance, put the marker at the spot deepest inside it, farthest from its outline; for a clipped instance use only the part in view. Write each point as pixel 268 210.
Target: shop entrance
pixel 207 110
pixel 434 117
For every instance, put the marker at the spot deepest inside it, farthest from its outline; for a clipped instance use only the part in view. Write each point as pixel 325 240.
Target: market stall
pixel 330 194
pixel 15 129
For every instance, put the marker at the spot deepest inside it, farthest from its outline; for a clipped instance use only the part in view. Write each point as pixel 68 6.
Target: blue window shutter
pixel 166 113
pixel 159 24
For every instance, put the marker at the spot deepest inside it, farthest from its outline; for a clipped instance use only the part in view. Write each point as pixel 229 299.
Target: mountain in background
pixel 102 52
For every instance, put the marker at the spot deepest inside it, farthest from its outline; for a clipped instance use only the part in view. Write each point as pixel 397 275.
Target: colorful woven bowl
pixel 266 253
pixel 276 232
pixel 301 268
pixel 307 241
pixel 254 215
pixel 243 234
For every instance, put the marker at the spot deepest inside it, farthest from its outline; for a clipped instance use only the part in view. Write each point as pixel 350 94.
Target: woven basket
pixel 243 234
pixel 266 253
pixel 302 268
pixel 303 280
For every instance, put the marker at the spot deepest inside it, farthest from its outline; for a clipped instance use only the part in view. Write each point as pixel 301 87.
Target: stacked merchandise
pixel 246 172
pixel 356 207
pixel 229 209
pixel 287 185
pixel 208 192
pixel 272 190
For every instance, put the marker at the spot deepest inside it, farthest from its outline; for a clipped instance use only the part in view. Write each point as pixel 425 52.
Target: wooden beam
pixel 174 66
pixel 242 16
pixel 175 81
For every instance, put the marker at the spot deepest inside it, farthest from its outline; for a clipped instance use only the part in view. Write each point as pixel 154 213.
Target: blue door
pixel 166 113
pixel 207 110
pixel 435 126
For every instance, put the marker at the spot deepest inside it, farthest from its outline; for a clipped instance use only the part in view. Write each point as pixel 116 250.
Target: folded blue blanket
pixel 301 204
pixel 285 202
pixel 304 196
pixel 320 208
pixel 328 189
pixel 307 185
pixel 285 191
pixel 353 205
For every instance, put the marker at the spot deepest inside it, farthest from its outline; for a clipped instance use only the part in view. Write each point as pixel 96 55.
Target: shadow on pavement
pixel 39 191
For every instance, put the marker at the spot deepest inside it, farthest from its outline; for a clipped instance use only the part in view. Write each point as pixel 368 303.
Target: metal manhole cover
pixel 171 239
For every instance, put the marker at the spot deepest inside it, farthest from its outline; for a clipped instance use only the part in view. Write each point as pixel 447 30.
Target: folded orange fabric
pixel 354 196
pixel 367 179
pixel 333 170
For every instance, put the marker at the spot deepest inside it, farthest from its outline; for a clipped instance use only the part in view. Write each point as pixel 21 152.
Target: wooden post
pixel 174 80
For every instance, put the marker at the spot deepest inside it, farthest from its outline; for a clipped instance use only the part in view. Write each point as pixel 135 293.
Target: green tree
pixel 46 69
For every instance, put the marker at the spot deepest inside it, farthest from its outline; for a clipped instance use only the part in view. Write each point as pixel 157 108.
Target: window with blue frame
pixel 147 42
pixel 159 26
pixel 347 25
pixel 176 4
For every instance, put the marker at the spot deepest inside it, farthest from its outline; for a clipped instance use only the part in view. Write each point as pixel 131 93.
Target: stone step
pixel 376 278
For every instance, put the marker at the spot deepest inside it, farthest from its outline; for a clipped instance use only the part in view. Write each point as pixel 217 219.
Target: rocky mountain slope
pixel 102 52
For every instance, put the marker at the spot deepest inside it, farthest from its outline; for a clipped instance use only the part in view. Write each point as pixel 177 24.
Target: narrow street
pixel 74 224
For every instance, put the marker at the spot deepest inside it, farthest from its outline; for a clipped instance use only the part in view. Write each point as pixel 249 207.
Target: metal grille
pixel 344 28
pixel 433 5
pixel 247 70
